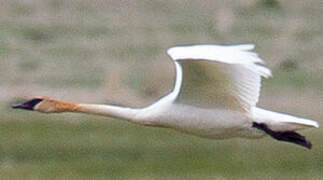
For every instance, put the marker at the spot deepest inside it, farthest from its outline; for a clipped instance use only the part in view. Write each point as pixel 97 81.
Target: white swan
pixel 214 96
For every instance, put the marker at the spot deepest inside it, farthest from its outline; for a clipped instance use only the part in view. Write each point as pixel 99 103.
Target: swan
pixel 214 96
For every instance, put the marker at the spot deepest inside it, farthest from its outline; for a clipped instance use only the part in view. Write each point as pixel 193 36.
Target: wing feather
pixel 220 76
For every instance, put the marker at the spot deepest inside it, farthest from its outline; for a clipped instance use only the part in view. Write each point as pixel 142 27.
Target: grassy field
pixel 114 52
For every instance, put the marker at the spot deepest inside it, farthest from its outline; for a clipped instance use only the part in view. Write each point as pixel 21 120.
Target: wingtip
pixel 263 71
pixel 316 124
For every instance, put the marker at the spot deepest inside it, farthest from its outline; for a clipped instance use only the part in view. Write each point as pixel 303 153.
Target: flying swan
pixel 215 95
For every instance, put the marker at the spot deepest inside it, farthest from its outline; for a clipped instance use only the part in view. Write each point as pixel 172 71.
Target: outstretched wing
pixel 223 77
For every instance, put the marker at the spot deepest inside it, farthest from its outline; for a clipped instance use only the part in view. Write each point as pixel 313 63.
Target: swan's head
pixel 45 105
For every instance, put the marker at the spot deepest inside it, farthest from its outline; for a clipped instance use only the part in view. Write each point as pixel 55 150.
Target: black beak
pixel 28 105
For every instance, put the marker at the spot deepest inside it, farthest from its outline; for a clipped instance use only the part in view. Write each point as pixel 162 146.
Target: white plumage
pixel 215 95
pixel 236 66
pixel 216 92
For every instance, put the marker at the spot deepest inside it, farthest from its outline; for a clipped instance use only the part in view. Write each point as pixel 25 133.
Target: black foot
pixel 289 136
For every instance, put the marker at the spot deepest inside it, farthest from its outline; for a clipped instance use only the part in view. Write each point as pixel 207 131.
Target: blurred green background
pixel 114 52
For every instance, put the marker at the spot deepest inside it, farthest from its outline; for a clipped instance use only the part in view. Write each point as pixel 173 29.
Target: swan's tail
pixel 282 122
pixel 282 126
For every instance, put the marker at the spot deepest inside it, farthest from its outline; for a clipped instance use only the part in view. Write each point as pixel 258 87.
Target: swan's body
pixel 214 96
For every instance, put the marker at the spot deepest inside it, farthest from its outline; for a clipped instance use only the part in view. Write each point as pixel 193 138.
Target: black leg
pixel 288 136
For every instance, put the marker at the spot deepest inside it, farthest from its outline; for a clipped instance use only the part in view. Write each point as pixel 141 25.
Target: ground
pixel 114 52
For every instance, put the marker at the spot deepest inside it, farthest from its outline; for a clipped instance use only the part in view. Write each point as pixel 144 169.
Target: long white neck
pixel 110 111
pixel 135 115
